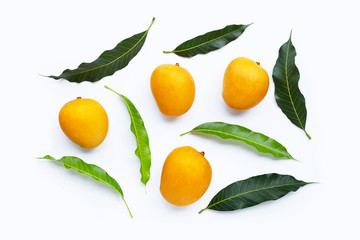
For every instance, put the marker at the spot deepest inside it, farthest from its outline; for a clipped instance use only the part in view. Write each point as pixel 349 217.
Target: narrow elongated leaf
pixel 92 170
pixel 209 41
pixel 108 62
pixel 261 142
pixel 253 191
pixel 287 93
pixel 138 128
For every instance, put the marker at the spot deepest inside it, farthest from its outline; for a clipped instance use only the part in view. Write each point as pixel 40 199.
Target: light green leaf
pixel 108 62
pixel 138 128
pixel 92 170
pixel 261 142
pixel 253 191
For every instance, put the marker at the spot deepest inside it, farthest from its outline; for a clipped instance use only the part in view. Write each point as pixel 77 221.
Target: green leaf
pixel 253 191
pixel 108 62
pixel 138 128
pixel 287 93
pixel 92 170
pixel 261 142
pixel 209 41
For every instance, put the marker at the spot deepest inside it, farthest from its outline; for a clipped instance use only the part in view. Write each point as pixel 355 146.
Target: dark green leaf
pixel 287 93
pixel 94 171
pixel 209 41
pixel 108 62
pixel 261 142
pixel 138 128
pixel 254 190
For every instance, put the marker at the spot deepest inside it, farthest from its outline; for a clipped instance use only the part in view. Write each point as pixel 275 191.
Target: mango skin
pixel 186 175
pixel 245 84
pixel 173 88
pixel 84 121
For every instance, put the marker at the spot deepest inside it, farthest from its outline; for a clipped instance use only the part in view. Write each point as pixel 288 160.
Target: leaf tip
pixel 313 182
pixel 43 75
pixel 51 76
pixel 46 157
pixel 289 156
pixel 144 179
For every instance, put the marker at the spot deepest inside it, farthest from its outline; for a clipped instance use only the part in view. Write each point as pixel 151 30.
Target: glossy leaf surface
pixel 253 191
pixel 138 128
pixel 209 42
pixel 287 93
pixel 108 62
pixel 261 142
pixel 91 170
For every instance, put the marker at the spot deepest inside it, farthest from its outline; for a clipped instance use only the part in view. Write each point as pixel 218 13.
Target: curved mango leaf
pixel 287 93
pixel 261 142
pixel 92 170
pixel 138 128
pixel 108 62
pixel 253 191
pixel 209 41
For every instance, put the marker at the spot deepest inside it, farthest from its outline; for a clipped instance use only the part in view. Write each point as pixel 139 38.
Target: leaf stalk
pixel 184 133
pixel 202 210
pixel 127 207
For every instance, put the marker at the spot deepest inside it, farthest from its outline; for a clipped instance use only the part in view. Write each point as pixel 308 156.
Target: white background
pixel 40 199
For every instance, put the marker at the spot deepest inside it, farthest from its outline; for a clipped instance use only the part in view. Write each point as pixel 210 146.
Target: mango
pixel 173 88
pixel 245 84
pixel 84 121
pixel 185 177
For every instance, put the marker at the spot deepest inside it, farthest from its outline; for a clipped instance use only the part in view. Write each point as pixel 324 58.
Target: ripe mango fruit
pixel 84 121
pixel 173 88
pixel 245 84
pixel 185 177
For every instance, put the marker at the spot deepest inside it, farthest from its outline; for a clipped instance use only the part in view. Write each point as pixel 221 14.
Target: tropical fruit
pixel 186 175
pixel 173 89
pixel 84 121
pixel 245 84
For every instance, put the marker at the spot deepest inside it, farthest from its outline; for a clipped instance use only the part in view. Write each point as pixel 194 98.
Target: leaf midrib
pixel 94 176
pixel 287 84
pixel 135 126
pixel 212 40
pixel 68 165
pixel 255 190
pixel 132 119
pixel 235 136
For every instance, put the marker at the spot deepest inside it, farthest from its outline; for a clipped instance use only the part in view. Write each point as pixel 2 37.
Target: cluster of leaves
pixel 238 195
pixel 258 189
pixel 107 64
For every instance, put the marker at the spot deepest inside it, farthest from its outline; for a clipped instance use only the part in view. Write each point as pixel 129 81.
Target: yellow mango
pixel 173 89
pixel 186 175
pixel 84 121
pixel 245 84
